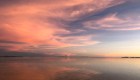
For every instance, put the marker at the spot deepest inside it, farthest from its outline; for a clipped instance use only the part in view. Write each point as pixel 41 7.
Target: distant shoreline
pixel 130 57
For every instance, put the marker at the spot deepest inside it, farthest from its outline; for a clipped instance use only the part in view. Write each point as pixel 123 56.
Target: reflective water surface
pixel 48 68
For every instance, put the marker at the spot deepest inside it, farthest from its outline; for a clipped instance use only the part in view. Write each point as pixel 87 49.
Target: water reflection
pixel 76 75
pixel 69 69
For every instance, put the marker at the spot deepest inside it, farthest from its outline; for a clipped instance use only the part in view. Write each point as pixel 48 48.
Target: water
pixel 47 68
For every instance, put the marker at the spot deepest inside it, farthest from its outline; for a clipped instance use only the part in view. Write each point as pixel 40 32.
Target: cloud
pixel 78 40
pixel 82 9
pixel 11 42
pixel 114 22
pixel 41 23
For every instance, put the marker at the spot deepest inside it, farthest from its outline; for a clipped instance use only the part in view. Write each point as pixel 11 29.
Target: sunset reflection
pixel 59 69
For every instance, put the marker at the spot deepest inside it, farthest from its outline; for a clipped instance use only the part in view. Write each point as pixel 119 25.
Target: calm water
pixel 69 69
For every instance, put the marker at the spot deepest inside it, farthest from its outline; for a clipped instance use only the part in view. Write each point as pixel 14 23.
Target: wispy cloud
pixel 114 22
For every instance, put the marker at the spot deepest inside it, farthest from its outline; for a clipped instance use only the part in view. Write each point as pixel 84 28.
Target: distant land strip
pixel 130 57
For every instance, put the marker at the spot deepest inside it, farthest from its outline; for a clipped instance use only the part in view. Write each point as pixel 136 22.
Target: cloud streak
pixel 113 22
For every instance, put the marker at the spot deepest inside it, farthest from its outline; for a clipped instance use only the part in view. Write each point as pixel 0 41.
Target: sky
pixel 107 28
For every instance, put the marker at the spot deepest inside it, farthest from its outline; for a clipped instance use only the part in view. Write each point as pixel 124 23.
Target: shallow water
pixel 48 68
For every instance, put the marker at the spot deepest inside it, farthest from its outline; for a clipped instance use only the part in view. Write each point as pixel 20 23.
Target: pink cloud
pixel 33 24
